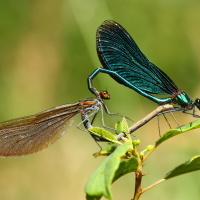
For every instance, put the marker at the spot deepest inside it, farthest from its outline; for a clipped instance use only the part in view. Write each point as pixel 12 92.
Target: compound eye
pixel 104 94
pixel 197 103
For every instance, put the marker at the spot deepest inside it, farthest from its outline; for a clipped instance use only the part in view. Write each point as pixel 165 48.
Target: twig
pixel 158 111
pixel 153 185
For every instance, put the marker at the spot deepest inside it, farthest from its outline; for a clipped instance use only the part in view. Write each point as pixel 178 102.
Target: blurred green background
pixel 47 50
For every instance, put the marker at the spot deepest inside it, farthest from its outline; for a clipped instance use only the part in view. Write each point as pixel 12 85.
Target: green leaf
pixel 125 167
pixel 122 126
pixel 99 183
pixel 177 131
pixel 118 128
pixel 100 132
pixel 149 147
pixel 105 152
pixel 192 165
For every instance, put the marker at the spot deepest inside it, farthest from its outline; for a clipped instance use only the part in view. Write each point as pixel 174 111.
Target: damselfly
pixel 27 135
pixel 124 62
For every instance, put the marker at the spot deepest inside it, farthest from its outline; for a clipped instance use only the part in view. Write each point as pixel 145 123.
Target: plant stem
pixel 153 185
pixel 149 153
pixel 138 189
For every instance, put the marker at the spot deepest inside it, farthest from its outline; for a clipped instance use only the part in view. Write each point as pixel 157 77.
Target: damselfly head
pixel 197 103
pixel 104 94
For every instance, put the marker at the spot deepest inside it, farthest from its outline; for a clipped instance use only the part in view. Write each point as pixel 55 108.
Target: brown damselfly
pixel 30 134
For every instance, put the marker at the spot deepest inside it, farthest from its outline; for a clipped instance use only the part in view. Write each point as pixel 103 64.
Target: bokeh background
pixel 47 50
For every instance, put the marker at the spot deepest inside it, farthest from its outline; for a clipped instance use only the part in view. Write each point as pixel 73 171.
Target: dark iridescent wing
pixel 33 133
pixel 118 52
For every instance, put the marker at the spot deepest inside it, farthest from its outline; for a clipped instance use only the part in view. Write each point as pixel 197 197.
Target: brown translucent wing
pixel 33 133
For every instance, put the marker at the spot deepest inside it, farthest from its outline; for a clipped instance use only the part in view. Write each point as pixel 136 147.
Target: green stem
pixel 149 153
